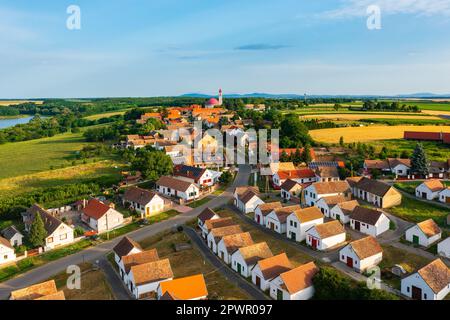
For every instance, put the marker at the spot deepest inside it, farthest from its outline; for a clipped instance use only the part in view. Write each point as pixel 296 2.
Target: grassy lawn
pixel 93 285
pixel 137 224
pixel 97 171
pixel 55 151
pixel 106 115
pixel 392 256
pixel 32 262
pixel 417 211
pixel 434 150
pixel 198 203
pixel 219 287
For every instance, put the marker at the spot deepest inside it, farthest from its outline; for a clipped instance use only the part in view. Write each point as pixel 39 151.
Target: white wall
pixel 324 244
pixel 276 284
pixel 323 207
pixel 259 214
pixel 359 265
pixel 109 221
pixel 272 219
pixel 429 194
pixel 256 272
pixel 423 239
pixel 236 258
pixel 444 248
pixel 222 252
pixel 7 255
pixel 443 195
pixel 61 236
pixel 427 294
pixel 335 211
pixel 293 225
pixel 381 226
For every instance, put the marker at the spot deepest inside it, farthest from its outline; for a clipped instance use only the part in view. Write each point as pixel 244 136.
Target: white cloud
pixel 357 8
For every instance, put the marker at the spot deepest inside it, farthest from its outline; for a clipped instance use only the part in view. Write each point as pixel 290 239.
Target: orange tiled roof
pixel 299 278
pixel 187 288
pixel 429 227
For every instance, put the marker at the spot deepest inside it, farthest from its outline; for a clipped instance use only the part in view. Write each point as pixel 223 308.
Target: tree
pixel 37 231
pixel 419 163
pixel 152 164
pixel 306 155
pixel 341 141
pixel 225 177
pixel 294 132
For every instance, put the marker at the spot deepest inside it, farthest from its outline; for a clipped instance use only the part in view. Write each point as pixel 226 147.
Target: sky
pixel 140 48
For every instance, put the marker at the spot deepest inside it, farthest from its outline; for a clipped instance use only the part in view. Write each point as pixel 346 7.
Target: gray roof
pixel 10 232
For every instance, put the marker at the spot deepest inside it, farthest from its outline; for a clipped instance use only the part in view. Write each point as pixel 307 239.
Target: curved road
pixel 93 254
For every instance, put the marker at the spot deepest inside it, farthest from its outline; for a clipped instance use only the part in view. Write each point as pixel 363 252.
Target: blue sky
pixel 171 47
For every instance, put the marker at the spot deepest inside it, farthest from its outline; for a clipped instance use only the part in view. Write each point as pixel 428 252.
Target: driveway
pixel 226 271
pixel 92 254
pixel 114 281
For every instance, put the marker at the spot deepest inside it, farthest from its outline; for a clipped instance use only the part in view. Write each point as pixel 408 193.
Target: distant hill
pixel 425 95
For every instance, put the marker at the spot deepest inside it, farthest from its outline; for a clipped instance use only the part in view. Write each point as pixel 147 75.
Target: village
pixel 248 221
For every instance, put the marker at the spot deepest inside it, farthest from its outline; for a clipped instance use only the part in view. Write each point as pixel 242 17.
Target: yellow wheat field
pixel 355 117
pixel 370 133
pixel 15 102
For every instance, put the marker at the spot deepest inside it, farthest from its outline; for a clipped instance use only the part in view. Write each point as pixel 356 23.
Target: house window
pixel 50 240
pixel 5 257
pixel 63 236
pixel 407 289
pixel 425 296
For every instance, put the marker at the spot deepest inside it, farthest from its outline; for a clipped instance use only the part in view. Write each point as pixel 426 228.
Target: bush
pixel 78 232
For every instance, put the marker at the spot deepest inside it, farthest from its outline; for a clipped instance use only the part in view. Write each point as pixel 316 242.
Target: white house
pixel 145 278
pixel 369 221
pixel 101 217
pixel 200 176
pixel 325 236
pixel 325 204
pixel 443 248
pixel 247 199
pixel 214 224
pixel 244 259
pixel 229 244
pixel 268 269
pixel 302 220
pixel 343 210
pixel 58 233
pixel 444 195
pixel 328 173
pixel 376 192
pixel 276 219
pixel 134 259
pixel 264 209
pixel 431 282
pixel 319 190
pixel 7 253
pixel 429 189
pixel 362 254
pixel 295 284
pixel 146 202
pixel 216 234
pixel 424 233
pixel 178 188
pixel 290 189
pixel 400 167
pixel 298 175
pixel 13 235
pixel 187 288
pixel 206 214
pixel 124 247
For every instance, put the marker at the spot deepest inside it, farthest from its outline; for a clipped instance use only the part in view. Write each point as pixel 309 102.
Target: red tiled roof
pixel 415 135
pixel 296 174
pixel 95 209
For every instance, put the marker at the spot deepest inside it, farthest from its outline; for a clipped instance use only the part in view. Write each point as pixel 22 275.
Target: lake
pixel 6 123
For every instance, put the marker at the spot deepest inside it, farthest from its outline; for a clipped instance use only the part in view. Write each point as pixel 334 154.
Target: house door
pixel 239 268
pixel 258 281
pixel 416 293
pixel 279 294
pixel 272 226
pixel 357 226
pixel 447 199
pixel 314 243
pixel 338 217
pixel 424 195
pixel 258 218
pixel 349 262
pixel 293 236
pixel 415 239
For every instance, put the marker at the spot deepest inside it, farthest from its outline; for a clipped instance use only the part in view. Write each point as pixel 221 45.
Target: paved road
pixel 118 289
pixel 231 275
pixel 92 254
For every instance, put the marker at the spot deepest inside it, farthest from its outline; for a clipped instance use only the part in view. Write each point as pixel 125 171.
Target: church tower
pixel 220 97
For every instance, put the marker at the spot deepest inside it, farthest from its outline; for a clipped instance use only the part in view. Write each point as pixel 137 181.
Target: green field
pixel 426 105
pixel 20 158
pixel 418 211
